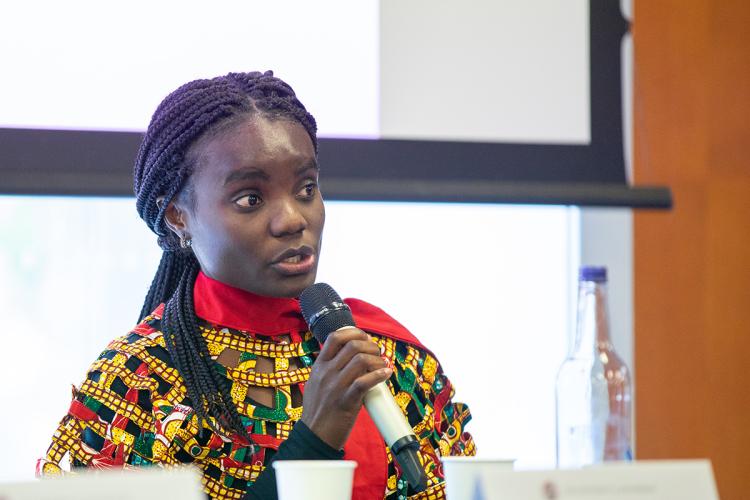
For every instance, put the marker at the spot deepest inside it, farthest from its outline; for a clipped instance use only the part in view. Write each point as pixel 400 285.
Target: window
pixel 486 287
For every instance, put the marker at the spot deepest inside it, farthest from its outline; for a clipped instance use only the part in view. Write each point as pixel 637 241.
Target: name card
pixel 642 480
pixel 150 483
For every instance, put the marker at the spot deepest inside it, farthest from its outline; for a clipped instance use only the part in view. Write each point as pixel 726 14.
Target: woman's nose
pixel 287 219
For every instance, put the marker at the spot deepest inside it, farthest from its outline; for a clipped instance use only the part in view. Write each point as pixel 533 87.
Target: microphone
pixel 325 312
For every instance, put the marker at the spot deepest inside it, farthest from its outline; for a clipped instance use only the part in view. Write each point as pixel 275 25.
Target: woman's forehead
pixel 256 143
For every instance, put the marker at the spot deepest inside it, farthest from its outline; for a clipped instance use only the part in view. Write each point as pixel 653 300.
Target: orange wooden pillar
pixel 692 265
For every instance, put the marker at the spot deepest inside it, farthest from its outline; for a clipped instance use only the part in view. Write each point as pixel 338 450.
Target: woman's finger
pixel 358 388
pixel 360 364
pixel 338 339
pixel 352 349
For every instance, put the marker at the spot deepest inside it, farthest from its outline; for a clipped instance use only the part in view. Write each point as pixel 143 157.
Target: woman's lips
pixel 294 265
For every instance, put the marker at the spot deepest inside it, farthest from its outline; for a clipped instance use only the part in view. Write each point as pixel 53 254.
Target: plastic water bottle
pixel 593 393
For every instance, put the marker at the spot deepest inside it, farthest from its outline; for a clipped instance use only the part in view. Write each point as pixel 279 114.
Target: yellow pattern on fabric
pixel 132 410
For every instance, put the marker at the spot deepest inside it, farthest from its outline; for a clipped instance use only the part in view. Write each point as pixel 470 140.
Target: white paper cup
pixel 465 476
pixel 314 479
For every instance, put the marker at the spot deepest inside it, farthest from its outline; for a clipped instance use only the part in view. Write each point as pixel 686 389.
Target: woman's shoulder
pixel 372 319
pixel 411 359
pixel 139 359
pixel 145 341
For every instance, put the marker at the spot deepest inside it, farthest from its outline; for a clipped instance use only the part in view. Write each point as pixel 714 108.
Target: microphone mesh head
pixel 322 309
pixel 315 297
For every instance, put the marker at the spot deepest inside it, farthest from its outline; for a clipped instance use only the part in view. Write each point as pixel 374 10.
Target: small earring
pixel 186 243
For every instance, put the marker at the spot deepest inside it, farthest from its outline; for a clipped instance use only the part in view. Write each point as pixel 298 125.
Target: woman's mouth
pixel 295 262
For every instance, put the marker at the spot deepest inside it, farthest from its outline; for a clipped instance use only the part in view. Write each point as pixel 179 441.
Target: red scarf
pixel 223 305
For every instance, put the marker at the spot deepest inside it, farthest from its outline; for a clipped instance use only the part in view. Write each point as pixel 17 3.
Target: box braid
pixel 197 110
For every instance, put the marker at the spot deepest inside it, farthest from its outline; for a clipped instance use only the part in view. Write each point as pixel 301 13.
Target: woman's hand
pixel 349 365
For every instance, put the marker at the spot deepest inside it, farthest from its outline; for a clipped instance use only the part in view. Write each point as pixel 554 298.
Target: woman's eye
pixel 249 200
pixel 309 190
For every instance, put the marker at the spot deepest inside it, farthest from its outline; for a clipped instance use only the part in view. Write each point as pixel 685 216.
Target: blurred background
pixel 489 287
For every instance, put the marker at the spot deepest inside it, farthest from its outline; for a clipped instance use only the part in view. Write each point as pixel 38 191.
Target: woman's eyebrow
pixel 254 173
pixel 309 164
pixel 250 173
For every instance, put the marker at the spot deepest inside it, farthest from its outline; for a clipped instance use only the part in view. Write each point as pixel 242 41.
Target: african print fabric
pixel 133 410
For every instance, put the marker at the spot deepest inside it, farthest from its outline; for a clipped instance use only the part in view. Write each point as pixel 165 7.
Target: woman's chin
pixel 292 287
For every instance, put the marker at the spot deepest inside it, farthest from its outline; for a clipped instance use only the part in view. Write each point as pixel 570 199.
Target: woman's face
pixel 256 217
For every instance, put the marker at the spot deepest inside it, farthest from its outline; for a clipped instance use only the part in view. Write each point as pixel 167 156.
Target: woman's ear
pixel 174 217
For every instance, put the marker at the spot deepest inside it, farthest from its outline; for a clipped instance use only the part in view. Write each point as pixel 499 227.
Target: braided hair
pixel 197 110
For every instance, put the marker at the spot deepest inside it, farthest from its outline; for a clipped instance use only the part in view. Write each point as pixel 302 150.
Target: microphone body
pixel 389 419
pixel 325 313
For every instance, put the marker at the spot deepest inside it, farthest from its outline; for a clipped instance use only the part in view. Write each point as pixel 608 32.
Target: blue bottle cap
pixel 597 274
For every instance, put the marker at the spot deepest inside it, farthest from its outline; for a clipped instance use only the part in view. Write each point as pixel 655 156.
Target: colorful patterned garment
pixel 132 409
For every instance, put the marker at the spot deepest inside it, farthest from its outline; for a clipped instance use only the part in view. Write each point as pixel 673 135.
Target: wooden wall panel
pixel 727 299
pixel 692 265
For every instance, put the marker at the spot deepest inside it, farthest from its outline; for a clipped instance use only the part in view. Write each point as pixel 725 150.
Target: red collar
pixel 225 305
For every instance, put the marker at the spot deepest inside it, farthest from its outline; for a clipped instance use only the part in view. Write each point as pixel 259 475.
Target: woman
pixel 221 370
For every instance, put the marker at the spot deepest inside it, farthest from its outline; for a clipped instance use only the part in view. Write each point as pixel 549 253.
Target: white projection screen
pixel 89 65
pixel 103 66
pixel 488 287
